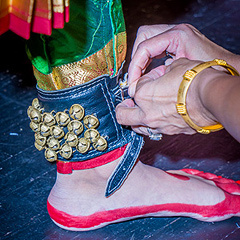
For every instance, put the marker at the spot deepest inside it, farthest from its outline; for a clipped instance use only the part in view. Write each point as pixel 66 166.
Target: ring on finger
pixel 152 136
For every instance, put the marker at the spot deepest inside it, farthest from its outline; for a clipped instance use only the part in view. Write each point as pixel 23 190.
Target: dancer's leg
pixel 77 200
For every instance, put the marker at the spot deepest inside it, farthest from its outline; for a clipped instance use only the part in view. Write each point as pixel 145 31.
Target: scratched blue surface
pixel 26 178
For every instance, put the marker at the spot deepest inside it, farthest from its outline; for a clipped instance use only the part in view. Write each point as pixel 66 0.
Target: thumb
pixel 127 113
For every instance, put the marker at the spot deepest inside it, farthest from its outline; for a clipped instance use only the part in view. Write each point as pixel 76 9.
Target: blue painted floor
pixel 26 178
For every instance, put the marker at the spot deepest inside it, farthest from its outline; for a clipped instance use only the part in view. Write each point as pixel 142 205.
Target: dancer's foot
pixel 77 200
pixel 226 184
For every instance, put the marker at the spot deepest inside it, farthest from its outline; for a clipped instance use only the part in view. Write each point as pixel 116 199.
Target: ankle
pixel 97 174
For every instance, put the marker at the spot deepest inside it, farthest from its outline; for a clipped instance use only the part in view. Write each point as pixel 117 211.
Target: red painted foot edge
pixel 225 184
pixel 225 209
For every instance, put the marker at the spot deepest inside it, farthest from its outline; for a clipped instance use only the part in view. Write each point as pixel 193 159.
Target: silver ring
pixel 152 136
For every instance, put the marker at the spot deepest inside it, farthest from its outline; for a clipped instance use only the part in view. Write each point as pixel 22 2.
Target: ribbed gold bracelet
pixel 183 89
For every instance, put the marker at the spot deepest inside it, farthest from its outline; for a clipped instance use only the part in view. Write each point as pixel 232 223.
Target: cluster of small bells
pixel 50 135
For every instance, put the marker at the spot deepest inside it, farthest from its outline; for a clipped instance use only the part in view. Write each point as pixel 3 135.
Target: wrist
pixel 197 108
pixel 231 58
pixel 234 60
pixel 216 93
pixel 188 78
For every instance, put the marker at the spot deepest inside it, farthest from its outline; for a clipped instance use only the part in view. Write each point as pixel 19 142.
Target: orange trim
pixel 19 11
pixel 4 11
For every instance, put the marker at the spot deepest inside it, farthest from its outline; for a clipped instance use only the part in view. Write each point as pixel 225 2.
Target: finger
pixel 146 32
pixel 157 72
pixel 136 84
pixel 175 63
pixel 153 74
pixel 128 103
pixel 193 28
pixel 148 49
pixel 169 61
pixel 129 116
pixel 140 130
pixel 144 130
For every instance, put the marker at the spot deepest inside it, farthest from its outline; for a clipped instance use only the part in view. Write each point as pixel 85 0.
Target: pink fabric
pixel 58 20
pixel 42 25
pixel 18 26
pixel 67 15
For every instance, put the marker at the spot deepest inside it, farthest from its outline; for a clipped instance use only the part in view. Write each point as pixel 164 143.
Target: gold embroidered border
pixel 66 3
pixel 58 6
pixel 21 9
pixel 76 73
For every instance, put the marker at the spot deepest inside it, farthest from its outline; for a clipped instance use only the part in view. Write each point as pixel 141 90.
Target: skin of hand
pixel 155 100
pixel 181 41
pixel 212 96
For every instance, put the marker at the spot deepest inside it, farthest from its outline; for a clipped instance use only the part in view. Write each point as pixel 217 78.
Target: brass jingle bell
pixel 92 135
pixel 44 130
pixel 48 119
pixel 40 140
pixel 90 121
pixel 75 126
pixel 76 111
pixel 38 147
pixel 62 118
pixel 34 126
pixel 57 132
pixel 83 145
pixel 30 108
pixel 66 151
pixel 34 114
pixel 50 155
pixel 53 143
pixel 71 139
pixel 35 103
pixel 101 144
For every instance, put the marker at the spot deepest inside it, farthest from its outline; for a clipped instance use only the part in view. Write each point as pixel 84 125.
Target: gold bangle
pixel 183 89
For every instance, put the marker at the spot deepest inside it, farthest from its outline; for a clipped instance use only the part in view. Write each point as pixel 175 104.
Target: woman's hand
pixel 181 41
pixel 155 100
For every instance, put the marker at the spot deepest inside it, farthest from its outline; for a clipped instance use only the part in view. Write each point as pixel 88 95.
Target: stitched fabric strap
pixel 126 165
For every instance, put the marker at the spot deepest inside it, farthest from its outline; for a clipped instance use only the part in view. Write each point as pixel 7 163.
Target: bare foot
pixel 77 201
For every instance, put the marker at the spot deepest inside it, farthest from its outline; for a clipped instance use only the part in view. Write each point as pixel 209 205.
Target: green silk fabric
pixel 92 25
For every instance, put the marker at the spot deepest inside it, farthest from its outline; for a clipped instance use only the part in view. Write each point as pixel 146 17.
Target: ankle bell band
pixel 58 132
pixel 78 123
